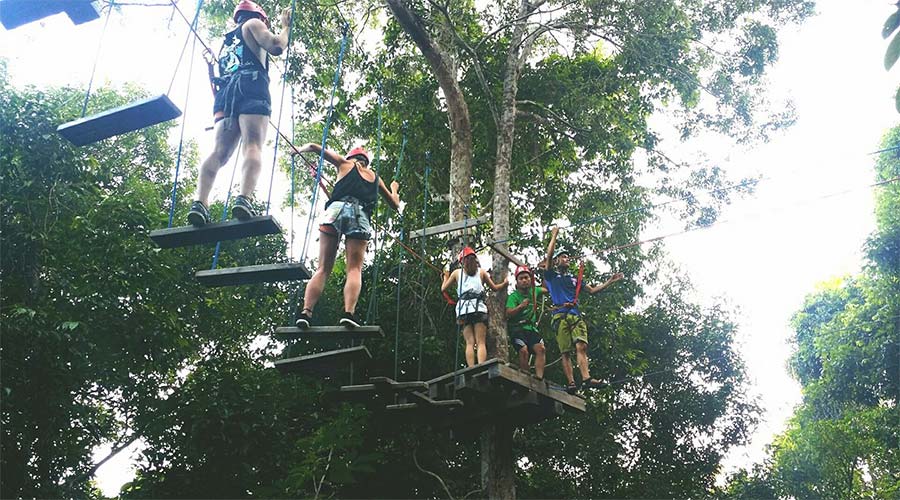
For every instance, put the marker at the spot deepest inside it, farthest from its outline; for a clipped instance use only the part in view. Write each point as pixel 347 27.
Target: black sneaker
pixel 572 389
pixel 594 383
pixel 199 214
pixel 304 320
pixel 242 208
pixel 350 320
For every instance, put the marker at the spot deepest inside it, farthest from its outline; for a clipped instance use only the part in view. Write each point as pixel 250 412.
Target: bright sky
pixel 774 253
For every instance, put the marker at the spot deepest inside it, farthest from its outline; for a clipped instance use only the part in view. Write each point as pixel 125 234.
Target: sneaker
pixel 242 208
pixel 350 320
pixel 594 383
pixel 199 214
pixel 572 389
pixel 304 320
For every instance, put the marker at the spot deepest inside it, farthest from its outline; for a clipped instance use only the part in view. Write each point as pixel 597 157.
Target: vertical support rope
pixel 372 312
pixel 422 250
pixel 187 95
pixel 287 54
pixel 293 175
pixel 459 291
pixel 399 265
pixel 337 76
pixel 87 95
pixel 215 262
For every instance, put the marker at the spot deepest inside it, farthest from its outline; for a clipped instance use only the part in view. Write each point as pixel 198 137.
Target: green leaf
pixel 893 52
pixel 893 21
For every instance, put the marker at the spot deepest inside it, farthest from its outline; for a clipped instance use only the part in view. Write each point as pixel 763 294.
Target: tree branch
pixel 432 474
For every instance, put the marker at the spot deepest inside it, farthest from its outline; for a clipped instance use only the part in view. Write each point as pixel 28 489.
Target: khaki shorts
pixel 569 328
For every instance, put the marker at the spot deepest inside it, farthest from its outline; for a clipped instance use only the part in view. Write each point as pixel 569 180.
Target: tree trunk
pixel 496 448
pixel 443 65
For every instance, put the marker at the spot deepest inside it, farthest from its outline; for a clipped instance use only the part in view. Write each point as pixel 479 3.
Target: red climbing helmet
pixel 467 251
pixel 248 6
pixel 360 151
pixel 522 269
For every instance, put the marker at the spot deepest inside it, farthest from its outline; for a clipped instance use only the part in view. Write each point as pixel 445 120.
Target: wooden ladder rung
pixel 218 231
pixel 128 118
pixel 248 275
pixel 336 333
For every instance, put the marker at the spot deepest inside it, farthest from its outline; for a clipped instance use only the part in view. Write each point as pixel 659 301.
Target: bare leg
pixel 469 335
pixel 481 342
pixel 523 359
pixel 225 144
pixel 328 245
pixel 581 354
pixel 356 250
pixel 540 360
pixel 253 132
pixel 567 368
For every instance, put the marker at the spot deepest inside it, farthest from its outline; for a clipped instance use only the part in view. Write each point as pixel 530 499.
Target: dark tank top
pixel 353 185
pixel 235 55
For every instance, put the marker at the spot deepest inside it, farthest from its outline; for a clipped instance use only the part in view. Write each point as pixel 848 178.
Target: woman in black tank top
pixel 347 212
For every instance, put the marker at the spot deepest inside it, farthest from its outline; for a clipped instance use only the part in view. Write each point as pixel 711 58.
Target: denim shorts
pixel 347 218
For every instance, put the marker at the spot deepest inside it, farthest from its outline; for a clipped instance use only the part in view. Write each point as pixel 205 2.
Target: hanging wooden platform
pixel 452 226
pixel 233 229
pixel 15 13
pixel 336 333
pixel 327 364
pixel 128 118
pixel 249 275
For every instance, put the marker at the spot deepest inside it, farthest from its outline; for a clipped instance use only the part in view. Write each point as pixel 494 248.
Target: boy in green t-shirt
pixel 521 308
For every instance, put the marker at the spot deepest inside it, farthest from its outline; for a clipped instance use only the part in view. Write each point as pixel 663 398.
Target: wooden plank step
pixel 516 379
pixel 451 226
pixel 401 406
pixel 388 383
pixel 325 363
pixel 437 403
pixel 233 229
pixel 128 118
pixel 336 333
pixel 15 13
pixel 248 275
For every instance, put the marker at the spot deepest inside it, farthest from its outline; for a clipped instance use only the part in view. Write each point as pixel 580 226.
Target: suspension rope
pixel 215 262
pixel 87 94
pixel 329 117
pixel 372 310
pixel 187 94
pixel 284 75
pixel 293 171
pixel 422 247
pixel 399 263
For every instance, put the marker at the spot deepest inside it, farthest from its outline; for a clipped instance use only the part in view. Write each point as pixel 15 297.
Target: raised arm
pixel 332 157
pixel 449 280
pixel 273 44
pixel 392 195
pixel 548 260
pixel 592 289
pixel 486 278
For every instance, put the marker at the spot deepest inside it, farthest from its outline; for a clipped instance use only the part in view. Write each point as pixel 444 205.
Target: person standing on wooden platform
pixel 348 212
pixel 567 322
pixel 242 106
pixel 521 316
pixel 471 308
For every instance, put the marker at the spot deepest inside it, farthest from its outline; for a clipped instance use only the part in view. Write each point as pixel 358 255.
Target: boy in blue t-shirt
pixel 567 322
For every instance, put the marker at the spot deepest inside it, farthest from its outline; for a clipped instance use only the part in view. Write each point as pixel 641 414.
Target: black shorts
pixel 525 338
pixel 472 318
pixel 244 93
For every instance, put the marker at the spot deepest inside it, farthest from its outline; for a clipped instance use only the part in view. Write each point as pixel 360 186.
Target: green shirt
pixel 526 319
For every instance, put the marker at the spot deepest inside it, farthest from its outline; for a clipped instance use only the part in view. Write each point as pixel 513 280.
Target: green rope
pixel 399 265
pixel 372 312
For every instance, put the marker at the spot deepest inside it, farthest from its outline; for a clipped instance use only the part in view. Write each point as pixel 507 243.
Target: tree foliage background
pixel 107 339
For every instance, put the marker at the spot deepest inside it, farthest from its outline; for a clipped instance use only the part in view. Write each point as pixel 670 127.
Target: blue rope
pixel 337 76
pixel 187 95
pixel 215 262
pixel 372 311
pixel 399 265
pixel 87 95
pixel 287 54
pixel 293 171
pixel 422 246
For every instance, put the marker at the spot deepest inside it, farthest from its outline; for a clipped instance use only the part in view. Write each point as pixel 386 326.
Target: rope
pixel 287 54
pixel 87 95
pixel 187 94
pixel 399 264
pixel 337 76
pixel 293 170
pixel 422 247
pixel 215 262
pixel 372 311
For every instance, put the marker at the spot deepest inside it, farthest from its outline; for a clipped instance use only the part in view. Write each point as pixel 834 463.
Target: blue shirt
pixel 562 289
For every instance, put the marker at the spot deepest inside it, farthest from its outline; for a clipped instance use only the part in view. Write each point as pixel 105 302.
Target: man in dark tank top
pixel 242 105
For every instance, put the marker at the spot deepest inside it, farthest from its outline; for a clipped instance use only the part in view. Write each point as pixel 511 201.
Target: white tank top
pixel 470 286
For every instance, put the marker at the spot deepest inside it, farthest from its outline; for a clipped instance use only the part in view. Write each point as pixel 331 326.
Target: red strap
pixel 578 282
pixel 448 299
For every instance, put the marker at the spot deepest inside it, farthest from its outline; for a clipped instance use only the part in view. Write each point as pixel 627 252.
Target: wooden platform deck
pixel 218 231
pixel 450 227
pixel 335 333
